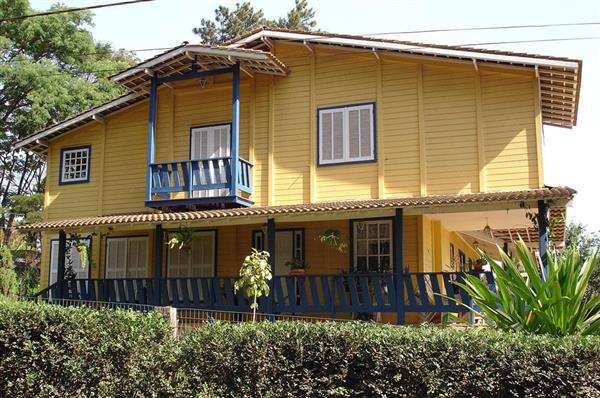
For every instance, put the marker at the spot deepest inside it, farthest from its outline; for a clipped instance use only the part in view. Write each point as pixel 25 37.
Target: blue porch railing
pixel 200 175
pixel 359 293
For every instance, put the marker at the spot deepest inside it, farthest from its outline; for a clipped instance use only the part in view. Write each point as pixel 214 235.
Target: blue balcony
pixel 200 183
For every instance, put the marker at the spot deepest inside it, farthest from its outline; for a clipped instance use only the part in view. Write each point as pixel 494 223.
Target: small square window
pixel 75 165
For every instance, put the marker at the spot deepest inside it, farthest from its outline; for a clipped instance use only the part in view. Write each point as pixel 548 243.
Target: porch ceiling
pixel 185 58
pixel 557 196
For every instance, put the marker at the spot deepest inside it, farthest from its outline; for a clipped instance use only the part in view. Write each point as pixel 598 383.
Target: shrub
pixel 368 360
pixel 48 350
pixel 54 351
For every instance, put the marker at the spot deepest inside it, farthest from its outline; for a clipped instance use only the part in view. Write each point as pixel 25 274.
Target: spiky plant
pixel 523 299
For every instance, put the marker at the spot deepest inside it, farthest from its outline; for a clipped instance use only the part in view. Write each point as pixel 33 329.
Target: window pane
pixel 361 248
pixel 384 247
pixel 338 135
pixel 384 230
pixel 361 230
pixel 373 247
pixel 373 231
pixel 361 264
pixel 365 132
pixel 354 133
pixel 326 142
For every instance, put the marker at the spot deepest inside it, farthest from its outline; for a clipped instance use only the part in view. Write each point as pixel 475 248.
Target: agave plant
pixel 526 299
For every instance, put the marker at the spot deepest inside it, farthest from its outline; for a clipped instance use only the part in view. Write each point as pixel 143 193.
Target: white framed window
pixel 72 259
pixel 126 257
pixel 346 134
pixel 196 259
pixel 372 244
pixel 75 165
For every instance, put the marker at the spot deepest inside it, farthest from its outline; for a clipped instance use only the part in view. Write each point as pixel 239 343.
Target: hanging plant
pixel 181 238
pixel 82 249
pixel 333 238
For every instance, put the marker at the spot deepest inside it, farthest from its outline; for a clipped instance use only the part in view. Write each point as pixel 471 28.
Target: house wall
pixel 441 128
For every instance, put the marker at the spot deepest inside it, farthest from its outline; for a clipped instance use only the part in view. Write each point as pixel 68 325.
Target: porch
pixel 402 256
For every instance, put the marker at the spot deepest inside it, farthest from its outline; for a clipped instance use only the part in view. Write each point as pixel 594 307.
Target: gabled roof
pixel 560 78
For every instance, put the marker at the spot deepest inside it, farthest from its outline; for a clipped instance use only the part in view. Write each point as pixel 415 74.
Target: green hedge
pixel 48 350
pixel 54 351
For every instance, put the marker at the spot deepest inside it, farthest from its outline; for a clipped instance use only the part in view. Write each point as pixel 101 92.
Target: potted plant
pixel 255 275
pixel 297 267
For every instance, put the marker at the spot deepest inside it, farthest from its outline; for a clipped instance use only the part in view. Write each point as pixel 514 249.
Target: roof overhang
pixel 186 58
pixel 556 196
pixel 560 78
pixel 38 142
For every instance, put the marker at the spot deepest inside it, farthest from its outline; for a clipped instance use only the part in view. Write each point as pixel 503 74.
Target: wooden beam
pixel 480 135
pixel 235 129
pixel 312 128
pixel 158 262
pixel 380 131
pixel 151 135
pixel 539 134
pixel 60 269
pixel 398 259
pixel 421 117
pixel 543 234
pixel 271 146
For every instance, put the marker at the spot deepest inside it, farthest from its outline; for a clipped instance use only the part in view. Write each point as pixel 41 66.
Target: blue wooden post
pixel 398 256
pixel 151 134
pixel 60 271
pixel 271 247
pixel 543 234
pixel 158 271
pixel 235 129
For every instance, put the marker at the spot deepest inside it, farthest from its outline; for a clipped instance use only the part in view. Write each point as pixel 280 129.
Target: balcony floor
pixel 207 203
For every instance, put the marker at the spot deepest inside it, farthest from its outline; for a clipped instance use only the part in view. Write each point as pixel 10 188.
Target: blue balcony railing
pixel 199 178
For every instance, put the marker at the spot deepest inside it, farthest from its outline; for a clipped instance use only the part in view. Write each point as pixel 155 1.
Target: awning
pixel 182 59
pixel 557 196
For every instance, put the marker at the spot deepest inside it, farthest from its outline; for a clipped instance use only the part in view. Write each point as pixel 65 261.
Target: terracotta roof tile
pixel 549 193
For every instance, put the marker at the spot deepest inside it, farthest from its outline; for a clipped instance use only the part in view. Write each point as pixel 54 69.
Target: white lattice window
pixel 346 134
pixel 75 165
pixel 373 246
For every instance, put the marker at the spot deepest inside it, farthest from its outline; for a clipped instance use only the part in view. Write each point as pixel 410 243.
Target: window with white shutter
pixel 346 134
pixel 197 259
pixel 126 257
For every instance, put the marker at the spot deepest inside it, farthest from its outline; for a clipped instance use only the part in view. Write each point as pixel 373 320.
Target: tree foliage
pixel 586 242
pixel 229 24
pixel 50 68
pixel 255 275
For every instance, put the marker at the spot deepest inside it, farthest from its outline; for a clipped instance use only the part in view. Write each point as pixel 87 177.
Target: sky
pixel 571 157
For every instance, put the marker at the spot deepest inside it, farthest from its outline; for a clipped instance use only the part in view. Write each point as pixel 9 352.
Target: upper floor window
pixel 347 134
pixel 75 165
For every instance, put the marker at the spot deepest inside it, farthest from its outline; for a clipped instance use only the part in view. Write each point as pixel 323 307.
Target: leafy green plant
pixel 181 238
pixel 526 300
pixel 9 283
pixel 333 238
pixel 255 275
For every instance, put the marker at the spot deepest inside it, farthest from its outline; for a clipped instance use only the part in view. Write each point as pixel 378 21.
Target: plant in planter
pixel 255 275
pixel 297 267
pixel 333 238
pixel 181 238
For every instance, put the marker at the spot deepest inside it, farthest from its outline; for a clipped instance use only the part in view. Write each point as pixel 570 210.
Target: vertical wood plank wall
pixel 442 129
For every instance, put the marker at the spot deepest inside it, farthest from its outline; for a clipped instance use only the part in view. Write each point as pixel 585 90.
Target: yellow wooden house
pixel 371 170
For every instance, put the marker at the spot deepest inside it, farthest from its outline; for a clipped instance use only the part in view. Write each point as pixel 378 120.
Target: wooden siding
pixel 441 129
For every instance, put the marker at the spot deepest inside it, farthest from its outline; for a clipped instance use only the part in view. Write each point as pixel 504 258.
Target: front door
pixel 211 142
